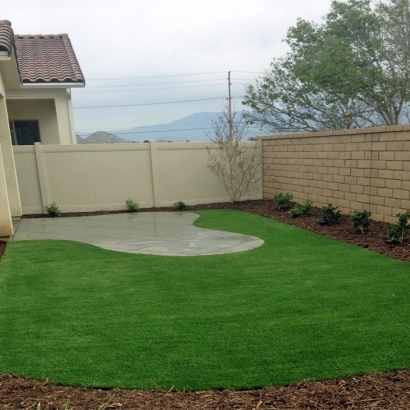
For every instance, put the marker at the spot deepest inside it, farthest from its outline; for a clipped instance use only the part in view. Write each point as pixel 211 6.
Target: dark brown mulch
pixel 373 391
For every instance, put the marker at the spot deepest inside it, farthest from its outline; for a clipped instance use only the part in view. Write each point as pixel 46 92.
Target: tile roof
pixel 6 36
pixel 47 59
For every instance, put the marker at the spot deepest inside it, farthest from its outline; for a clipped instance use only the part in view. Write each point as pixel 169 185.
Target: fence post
pixel 42 175
pixel 154 170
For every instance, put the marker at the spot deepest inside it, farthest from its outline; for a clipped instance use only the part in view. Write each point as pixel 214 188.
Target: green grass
pixel 300 307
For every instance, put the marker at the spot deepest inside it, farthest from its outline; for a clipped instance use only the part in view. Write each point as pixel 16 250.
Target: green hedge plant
pixel 53 210
pixel 132 206
pixel 301 210
pixel 360 219
pixel 180 206
pixel 396 233
pixel 329 215
pixel 282 201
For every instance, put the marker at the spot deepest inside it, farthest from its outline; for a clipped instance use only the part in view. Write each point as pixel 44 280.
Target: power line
pixel 155 76
pixel 79 91
pixel 173 82
pixel 155 103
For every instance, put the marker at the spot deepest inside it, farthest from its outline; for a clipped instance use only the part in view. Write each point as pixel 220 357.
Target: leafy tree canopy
pixel 351 71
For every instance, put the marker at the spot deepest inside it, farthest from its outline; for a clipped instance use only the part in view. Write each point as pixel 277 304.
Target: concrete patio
pixel 156 233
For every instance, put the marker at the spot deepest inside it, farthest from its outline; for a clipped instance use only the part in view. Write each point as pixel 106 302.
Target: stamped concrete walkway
pixel 157 233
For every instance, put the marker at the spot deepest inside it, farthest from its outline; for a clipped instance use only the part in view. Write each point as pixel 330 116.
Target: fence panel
pixel 81 178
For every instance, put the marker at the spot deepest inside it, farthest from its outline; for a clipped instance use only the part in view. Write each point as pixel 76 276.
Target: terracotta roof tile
pixel 47 59
pixel 6 36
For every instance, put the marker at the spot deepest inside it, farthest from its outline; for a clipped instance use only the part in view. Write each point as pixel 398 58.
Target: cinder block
pixel 392 202
pixel 357 189
pixel 363 163
pixel 377 217
pixel 395 165
pixel 345 155
pixel 344 171
pixel 387 136
pixel 339 178
pixel 376 200
pixel 402 156
pixel 378 182
pixel 334 155
pixel 379 146
pixel 352 146
pixel 394 183
pixel 352 163
pixel 395 146
pixel 357 155
pixel 403 175
pixel 379 164
pixel 406 165
pixel 344 187
pixel 405 204
pixel 338 194
pixel 386 192
pixel 350 196
pixel 339 163
pixel 363 198
pixel 385 173
pixel 386 155
pixel 384 210
pixel 401 194
pixel 356 206
pixel 365 146
pixel 370 190
pixel 350 180
pixel 363 181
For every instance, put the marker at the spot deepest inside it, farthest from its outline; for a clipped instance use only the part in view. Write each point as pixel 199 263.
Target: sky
pixel 154 59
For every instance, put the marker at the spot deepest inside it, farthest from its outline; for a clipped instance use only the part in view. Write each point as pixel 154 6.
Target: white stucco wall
pixel 50 106
pixel 43 111
pixel 9 193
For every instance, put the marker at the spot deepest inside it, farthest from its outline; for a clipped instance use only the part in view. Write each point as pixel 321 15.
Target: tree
pixel 350 71
pixel 237 164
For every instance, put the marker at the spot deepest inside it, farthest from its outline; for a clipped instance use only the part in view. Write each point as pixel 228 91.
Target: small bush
pixel 180 206
pixel 329 215
pixel 361 219
pixel 300 210
pixel 53 210
pixel 396 233
pixel 282 201
pixel 132 206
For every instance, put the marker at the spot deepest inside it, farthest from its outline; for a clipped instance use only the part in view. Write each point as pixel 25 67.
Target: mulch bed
pixel 372 391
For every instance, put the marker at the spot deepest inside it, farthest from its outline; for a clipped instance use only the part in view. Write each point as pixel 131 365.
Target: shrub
pixel 396 233
pixel 180 206
pixel 329 215
pixel 361 219
pixel 282 201
pixel 53 210
pixel 300 210
pixel 132 206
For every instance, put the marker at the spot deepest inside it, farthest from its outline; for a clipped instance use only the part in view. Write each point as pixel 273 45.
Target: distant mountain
pixel 101 137
pixel 191 128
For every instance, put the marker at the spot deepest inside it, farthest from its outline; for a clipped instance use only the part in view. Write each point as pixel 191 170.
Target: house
pixel 37 73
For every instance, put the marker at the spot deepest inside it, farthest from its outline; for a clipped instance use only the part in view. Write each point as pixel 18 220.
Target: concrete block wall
pixel 357 169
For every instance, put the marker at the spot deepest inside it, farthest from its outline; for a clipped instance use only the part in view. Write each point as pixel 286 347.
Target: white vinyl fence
pixel 83 178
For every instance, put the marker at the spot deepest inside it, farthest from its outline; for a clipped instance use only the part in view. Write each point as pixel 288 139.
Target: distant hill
pixel 101 137
pixel 191 128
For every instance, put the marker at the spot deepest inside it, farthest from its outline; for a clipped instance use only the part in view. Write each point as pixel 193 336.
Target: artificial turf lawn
pixel 301 306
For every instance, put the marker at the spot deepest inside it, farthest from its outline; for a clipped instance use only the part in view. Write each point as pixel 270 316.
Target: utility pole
pixel 230 108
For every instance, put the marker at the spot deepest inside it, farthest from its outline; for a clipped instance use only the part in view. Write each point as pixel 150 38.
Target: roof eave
pixel 54 85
